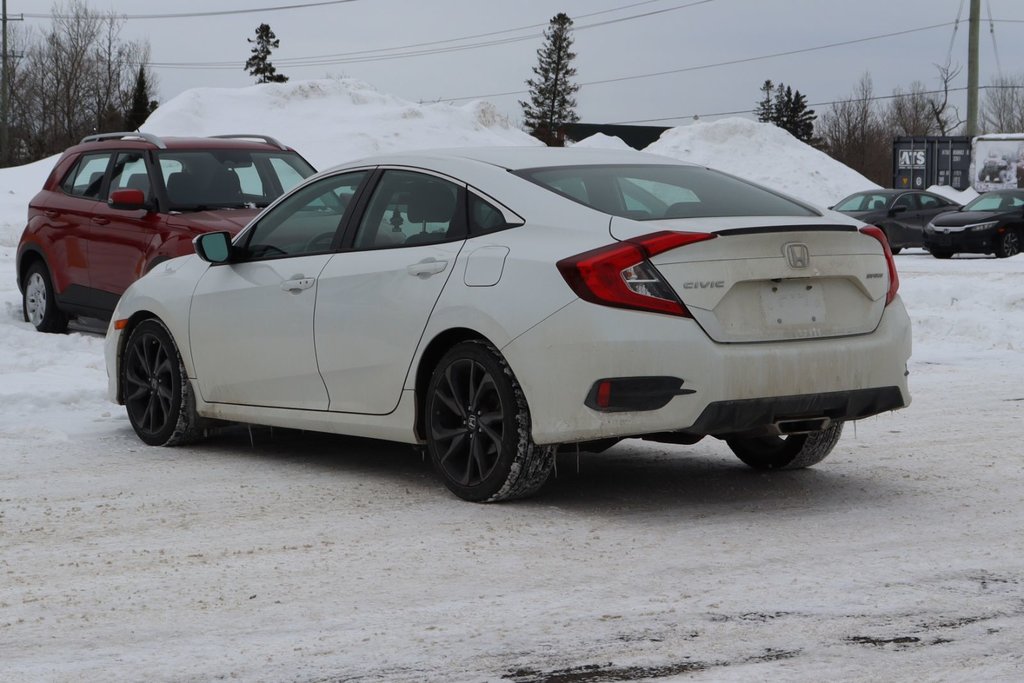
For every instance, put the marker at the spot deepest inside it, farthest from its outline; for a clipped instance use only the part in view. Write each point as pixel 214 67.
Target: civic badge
pixel 798 255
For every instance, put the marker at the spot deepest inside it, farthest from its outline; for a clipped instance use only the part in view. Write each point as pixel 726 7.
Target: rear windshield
pixel 221 178
pixel 647 192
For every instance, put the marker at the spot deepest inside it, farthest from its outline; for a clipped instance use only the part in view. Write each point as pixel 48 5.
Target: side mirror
pixel 128 200
pixel 213 247
pixel 897 209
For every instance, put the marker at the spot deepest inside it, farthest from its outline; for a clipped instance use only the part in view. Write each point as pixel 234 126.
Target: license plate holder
pixel 793 302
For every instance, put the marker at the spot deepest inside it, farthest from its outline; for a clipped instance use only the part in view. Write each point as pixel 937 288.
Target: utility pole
pixel 4 76
pixel 972 68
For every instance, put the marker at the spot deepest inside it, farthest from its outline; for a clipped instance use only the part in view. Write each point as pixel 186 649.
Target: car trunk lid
pixel 773 279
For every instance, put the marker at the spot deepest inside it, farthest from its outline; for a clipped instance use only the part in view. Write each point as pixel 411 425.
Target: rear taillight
pixel 894 278
pixel 621 275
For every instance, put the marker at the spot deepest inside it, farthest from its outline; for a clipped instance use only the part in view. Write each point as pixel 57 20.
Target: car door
pixel 375 297
pixel 70 213
pixel 902 225
pixel 120 240
pixel 251 320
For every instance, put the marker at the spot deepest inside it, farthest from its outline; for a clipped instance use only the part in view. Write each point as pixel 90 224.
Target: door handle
pixel 99 220
pixel 427 267
pixel 296 285
pixel 49 213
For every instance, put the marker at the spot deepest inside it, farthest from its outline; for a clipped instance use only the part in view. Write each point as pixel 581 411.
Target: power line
pixel 363 55
pixel 718 64
pixel 818 104
pixel 188 15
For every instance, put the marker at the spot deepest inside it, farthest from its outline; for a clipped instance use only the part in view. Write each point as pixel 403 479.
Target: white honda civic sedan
pixel 495 304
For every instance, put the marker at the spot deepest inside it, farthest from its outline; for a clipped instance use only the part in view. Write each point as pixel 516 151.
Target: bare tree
pixel 853 133
pixel 947 117
pixel 1003 107
pixel 910 112
pixel 73 79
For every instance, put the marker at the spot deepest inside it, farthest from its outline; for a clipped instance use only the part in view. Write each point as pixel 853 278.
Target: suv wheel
pixel 38 303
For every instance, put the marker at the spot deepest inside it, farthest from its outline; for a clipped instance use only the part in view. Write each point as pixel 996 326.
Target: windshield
pixel 653 191
pixel 198 180
pixel 996 201
pixel 863 201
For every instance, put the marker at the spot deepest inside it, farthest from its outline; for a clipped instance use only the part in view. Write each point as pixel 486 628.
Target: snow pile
pixel 602 141
pixel 17 186
pixel 765 154
pixel 958 196
pixel 331 121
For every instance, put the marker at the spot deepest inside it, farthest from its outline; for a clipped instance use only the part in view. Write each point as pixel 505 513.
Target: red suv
pixel 117 204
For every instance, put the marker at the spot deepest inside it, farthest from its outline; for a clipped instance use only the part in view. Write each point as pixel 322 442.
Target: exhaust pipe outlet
pixel 803 426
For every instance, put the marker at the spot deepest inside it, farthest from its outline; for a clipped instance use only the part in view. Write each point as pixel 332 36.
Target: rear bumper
pixel 558 361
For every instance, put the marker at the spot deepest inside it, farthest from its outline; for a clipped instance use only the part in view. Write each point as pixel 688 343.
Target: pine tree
pixel 142 106
pixel 552 92
pixel 766 107
pixel 787 109
pixel 258 63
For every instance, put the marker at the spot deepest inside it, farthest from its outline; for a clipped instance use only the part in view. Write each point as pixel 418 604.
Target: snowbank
pixel 765 154
pixel 958 196
pixel 602 141
pixel 331 121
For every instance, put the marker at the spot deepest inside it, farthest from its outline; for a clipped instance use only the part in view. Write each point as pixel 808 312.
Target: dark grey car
pixel 901 214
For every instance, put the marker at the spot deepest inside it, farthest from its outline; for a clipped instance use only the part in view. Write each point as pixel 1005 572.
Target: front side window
pixel 197 180
pixel 86 178
pixel 656 192
pixel 129 173
pixel 409 209
pixel 905 200
pixel 306 222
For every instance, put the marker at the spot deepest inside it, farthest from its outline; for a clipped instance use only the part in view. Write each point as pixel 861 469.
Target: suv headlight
pixel 982 226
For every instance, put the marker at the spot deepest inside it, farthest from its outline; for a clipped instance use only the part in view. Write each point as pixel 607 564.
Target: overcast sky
pixel 614 39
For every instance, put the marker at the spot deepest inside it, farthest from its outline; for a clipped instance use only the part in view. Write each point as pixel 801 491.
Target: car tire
pixel 942 253
pixel 478 427
pixel 792 452
pixel 39 303
pixel 157 393
pixel 895 250
pixel 1008 245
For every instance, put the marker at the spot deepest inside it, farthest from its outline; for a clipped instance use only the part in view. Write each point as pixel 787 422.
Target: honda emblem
pixel 798 255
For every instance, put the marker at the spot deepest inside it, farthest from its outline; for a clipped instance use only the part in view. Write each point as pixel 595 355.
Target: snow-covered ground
pixel 268 555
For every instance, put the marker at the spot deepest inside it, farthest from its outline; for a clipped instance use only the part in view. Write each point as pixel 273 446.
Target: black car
pixel 993 223
pixel 901 214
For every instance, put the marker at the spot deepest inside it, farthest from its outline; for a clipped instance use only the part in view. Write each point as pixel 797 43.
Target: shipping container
pixel 923 161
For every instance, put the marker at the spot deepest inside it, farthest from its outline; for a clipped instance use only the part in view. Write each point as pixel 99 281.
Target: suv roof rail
pixel 148 137
pixel 255 136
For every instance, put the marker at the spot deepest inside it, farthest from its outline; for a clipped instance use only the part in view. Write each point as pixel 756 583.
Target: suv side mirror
pixel 213 247
pixel 128 200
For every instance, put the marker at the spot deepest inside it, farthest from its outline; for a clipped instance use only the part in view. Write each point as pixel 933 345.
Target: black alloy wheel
pixel 478 430
pixel 1009 244
pixel 157 396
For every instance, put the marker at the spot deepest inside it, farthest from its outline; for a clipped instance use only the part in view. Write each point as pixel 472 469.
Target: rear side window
pixel 411 209
pixel 86 178
pixel 655 191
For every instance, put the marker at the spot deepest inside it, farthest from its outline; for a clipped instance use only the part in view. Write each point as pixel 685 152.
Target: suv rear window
pixel 217 179
pixel 652 191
